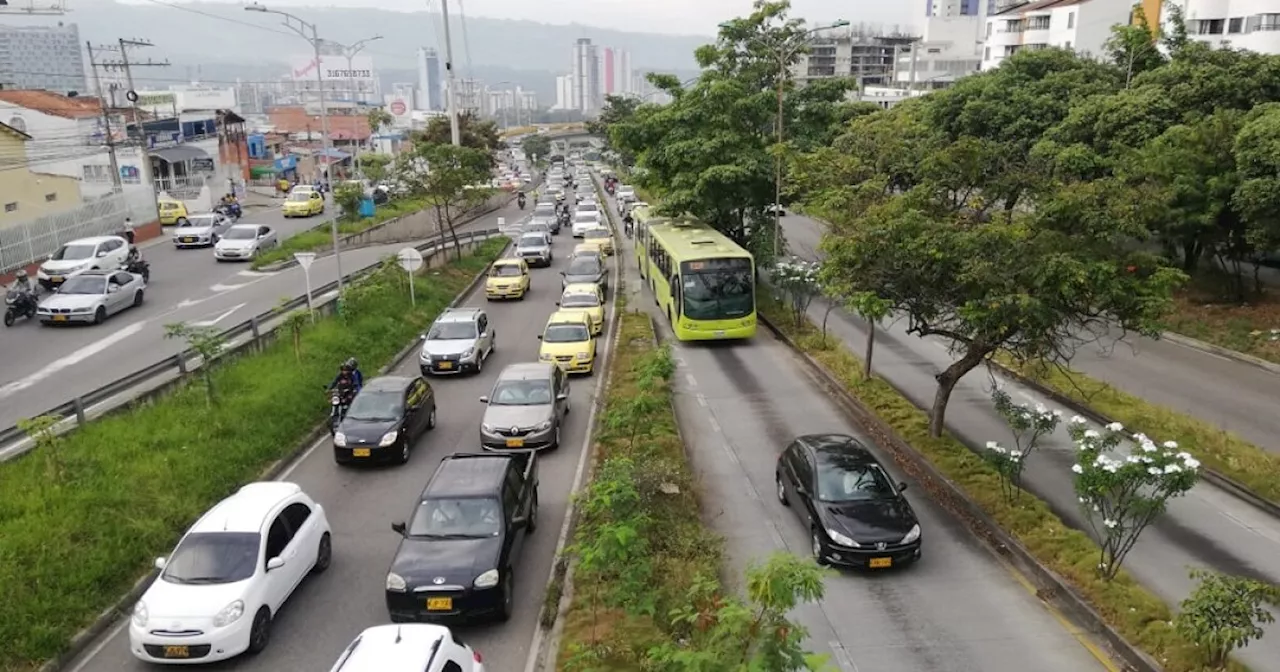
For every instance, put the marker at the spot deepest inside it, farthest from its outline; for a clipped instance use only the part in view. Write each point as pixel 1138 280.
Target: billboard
pixel 334 67
pixel 401 110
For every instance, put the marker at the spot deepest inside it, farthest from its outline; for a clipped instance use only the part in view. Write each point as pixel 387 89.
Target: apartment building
pixel 1081 25
pixel 42 57
pixel 867 53
pixel 1240 24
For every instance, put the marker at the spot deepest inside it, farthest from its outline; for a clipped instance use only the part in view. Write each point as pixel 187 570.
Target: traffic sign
pixel 410 259
pixel 304 259
pixel 398 108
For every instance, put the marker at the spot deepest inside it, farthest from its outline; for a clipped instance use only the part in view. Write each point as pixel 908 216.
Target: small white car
pixel 106 253
pixel 411 647
pixel 585 221
pixel 243 242
pixel 217 593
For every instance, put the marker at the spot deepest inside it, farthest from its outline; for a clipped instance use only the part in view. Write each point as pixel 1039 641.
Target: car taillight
pixel 478 658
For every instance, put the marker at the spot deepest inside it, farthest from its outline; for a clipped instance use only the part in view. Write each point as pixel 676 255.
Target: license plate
pixel 515 443
pixel 446 365
pixel 720 332
pixel 188 240
pixel 439 604
pixel 59 318
pixel 360 452
pixel 880 563
pixel 55 278
pixel 177 652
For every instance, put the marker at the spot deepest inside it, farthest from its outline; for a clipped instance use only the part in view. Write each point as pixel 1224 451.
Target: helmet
pixel 351 364
pixel 21 274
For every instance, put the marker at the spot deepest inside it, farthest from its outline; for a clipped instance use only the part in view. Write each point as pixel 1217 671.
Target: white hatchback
pixel 411 647
pixel 218 591
pixel 585 221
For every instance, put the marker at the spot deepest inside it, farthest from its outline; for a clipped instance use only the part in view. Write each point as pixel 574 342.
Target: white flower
pixel 1115 427
pixel 1041 409
pixel 1171 445
pixel 1080 499
pixel 1172 468
pixel 1191 463
pixel 1057 413
pixel 1148 447
pixel 992 445
pixel 1111 524
pixel 1077 420
pixel 1015 454
pixel 1154 471
pixel 1090 434
pixel 1078 469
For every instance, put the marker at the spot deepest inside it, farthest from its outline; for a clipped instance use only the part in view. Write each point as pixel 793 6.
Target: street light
pixel 350 51
pixel 301 28
pixel 784 51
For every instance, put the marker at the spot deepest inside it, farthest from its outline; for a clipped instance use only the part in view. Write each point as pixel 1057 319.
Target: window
pixel 49 198
pixel 1071 20
pixel 986 53
pixel 1235 26
pixel 11 207
pixel 451 666
pixel 296 515
pixel 277 538
pixel 483 323
pixel 1211 26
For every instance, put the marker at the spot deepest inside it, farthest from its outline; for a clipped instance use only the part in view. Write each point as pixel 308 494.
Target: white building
pixel 867 53
pixel 564 93
pixel 587 95
pixel 178 99
pixel 1240 24
pixel 950 46
pixel 1081 25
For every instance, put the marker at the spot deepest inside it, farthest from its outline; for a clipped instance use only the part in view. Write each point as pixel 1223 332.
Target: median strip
pixel 82 516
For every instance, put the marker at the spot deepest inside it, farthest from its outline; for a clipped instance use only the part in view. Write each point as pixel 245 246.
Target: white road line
pixel 693 382
pixel 842 657
pixel 256 274
pixel 219 289
pixel 71 359
pixel 225 314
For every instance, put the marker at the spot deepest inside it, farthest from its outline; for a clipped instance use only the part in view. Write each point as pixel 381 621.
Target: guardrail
pixel 157 378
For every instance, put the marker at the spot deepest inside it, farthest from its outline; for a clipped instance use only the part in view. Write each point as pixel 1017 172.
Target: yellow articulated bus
pixel 702 280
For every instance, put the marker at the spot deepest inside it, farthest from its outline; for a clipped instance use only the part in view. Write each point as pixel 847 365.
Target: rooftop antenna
pixel 29 8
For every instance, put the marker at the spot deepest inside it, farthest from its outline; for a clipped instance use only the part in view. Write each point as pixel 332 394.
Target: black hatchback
pixel 855 514
pixel 384 420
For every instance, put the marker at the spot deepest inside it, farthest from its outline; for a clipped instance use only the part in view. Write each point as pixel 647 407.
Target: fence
pixel 158 377
pixel 25 243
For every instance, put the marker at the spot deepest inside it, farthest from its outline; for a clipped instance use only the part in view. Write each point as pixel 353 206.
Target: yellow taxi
pixel 587 250
pixel 585 298
pixel 508 279
pixel 171 212
pixel 599 237
pixel 303 204
pixel 567 341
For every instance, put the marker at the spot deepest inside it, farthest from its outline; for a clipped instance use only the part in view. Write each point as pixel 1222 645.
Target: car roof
pixel 459 315
pixel 98 272
pixel 836 444
pixel 581 288
pixel 388 383
pixel 245 226
pixel 391 648
pixel 462 476
pixel 92 240
pixel 527 371
pixel 508 261
pixel 246 510
pixel 566 316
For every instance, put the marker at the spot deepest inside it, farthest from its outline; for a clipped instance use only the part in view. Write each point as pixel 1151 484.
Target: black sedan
pixel 855 514
pixel 384 420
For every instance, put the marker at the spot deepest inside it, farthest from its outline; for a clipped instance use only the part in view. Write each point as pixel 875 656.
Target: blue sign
pixel 285 163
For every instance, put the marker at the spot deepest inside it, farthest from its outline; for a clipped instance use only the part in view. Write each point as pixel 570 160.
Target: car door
pixel 411 400
pixel 805 478
pixel 317 203
pixel 265 237
pixel 426 403
pixel 560 383
pixel 278 581
pixel 117 250
pixel 300 552
pixel 512 506
pixel 123 297
pixel 485 330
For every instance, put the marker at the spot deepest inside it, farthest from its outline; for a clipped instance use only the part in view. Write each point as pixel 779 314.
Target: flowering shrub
pixel 1121 496
pixel 795 283
pixel 1028 425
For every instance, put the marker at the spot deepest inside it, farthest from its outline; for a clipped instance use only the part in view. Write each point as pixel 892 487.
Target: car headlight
pixel 486 427
pixel 395 583
pixel 912 535
pixel 466 354
pixel 584 356
pixel 487 580
pixel 389 438
pixel 841 540
pixel 140 614
pixel 339 439
pixel 544 357
pixel 229 614
pixel 544 426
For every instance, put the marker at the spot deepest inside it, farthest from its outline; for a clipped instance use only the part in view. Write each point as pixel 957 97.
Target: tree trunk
pixel 1190 257
pixel 871 348
pixel 947 381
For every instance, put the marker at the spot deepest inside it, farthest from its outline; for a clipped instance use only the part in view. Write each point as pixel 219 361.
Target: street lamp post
pixel 301 27
pixel 350 52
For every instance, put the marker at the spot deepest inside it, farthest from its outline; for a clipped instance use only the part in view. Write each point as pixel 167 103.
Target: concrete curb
pixel 122 608
pixel 1229 485
pixel 1051 587
pixel 1209 348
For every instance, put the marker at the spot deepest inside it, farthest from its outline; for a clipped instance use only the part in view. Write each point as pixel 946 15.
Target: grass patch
pixel 1202 312
pixel 320 236
pixel 1219 450
pixel 80 522
pixel 640 546
pixel 1139 616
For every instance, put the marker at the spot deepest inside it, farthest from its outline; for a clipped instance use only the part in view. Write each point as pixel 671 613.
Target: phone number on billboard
pixel 347 74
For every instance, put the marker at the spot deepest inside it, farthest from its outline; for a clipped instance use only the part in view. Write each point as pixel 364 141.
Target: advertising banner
pixel 335 68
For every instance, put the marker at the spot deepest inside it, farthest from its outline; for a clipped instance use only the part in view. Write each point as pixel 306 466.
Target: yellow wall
pixel 1151 8
pixel 32 191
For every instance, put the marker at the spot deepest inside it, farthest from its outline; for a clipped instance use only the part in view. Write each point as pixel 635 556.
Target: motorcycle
pixel 136 265
pixel 18 303
pixel 520 201
pixel 231 210
pixel 339 402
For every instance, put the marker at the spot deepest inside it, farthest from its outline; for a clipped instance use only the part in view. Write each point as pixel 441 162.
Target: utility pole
pixel 106 120
pixel 455 131
pixel 350 52
pixel 132 96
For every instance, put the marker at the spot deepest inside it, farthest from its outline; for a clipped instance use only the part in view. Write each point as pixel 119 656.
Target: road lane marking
pixel 225 314
pixel 256 274
pixel 220 289
pixel 72 359
pixel 843 659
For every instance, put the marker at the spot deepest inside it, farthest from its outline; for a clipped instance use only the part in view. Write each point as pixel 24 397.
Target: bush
pixel 75 534
pixel 320 237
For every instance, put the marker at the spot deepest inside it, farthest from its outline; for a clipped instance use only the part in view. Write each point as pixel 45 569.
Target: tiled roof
pixel 52 103
pixel 293 119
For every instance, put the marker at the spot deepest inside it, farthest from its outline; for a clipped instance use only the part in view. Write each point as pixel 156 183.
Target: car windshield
pixel 505 271
pixel 595 233
pixel 584 217
pixel 580 301
pixel 533 241
pixel 376 405
pixel 84 284
pixel 544 210
pixel 584 266
pixel 587 207
pixel 717 289
pixel 521 393
pixel 845 479
pixel 240 233
pixel 565 333
pixel 300 196
pixel 198 221
pixel 457 518
pixel 451 331
pixel 213 557
pixel 75 252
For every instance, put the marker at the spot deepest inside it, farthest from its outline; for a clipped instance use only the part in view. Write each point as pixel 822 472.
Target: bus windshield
pixel 717 289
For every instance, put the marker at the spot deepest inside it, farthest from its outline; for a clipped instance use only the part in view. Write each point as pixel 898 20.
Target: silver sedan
pixel 91 297
pixel 243 242
pixel 201 230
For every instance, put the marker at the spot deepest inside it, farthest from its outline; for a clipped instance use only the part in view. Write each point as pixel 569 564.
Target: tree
pixel 616 109
pixel 449 179
pixel 536 144
pixel 347 196
pixel 475 132
pixel 376 167
pixel 1028 425
pixel 378 119
pixel 1257 198
pixel 208 343
pixel 1225 613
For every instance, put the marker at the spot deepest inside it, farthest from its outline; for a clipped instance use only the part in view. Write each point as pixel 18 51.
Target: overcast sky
pixel 690 17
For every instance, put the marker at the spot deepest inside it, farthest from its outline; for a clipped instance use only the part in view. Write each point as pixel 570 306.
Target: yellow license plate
pixel 446 365
pixel 59 318
pixel 177 652
pixel 439 604
pixel 55 278
pixel 359 452
pixel 515 443
pixel 880 563
pixel 188 240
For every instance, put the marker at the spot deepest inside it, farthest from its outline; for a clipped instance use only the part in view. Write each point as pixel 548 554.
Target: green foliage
pixel 616 110
pixel 449 180
pixel 347 196
pixel 796 284
pixel 536 144
pixel 376 167
pixel 378 119
pixel 1225 613
pixel 320 237
pixel 208 344
pixel 475 133
pixel 295 321
pixel 42 430
pixel 1028 425
pixel 134 480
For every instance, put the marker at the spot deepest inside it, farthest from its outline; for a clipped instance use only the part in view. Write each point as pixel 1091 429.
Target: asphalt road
pixel 43 367
pixel 1207 528
pixel 328 611
pixel 957 610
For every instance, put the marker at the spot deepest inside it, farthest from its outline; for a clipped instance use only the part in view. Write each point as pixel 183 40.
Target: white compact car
pixel 105 253
pixel 585 221
pixel 243 242
pixel 218 591
pixel 411 647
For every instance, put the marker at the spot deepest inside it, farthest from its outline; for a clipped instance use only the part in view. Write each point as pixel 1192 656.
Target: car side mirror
pixel 557 303
pixel 484 399
pixel 400 529
pixel 802 491
pixel 161 562
pixel 902 486
pixel 519 521
pixel 275 563
pixel 102 254
pixel 111 289
pixel 563 396
pixel 539 337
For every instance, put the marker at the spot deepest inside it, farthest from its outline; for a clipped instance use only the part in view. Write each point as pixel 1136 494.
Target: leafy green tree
pixel 208 343
pixel 1225 613
pixel 451 180
pixel 475 133
pixel 376 167
pixel 616 109
pixel 347 196
pixel 1257 198
pixel 536 144
pixel 378 119
pixel 1133 47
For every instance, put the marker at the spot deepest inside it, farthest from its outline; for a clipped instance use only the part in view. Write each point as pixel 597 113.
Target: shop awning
pixel 179 154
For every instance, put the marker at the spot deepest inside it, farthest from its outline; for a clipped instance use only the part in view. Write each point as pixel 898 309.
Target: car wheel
pixel 555 441
pixel 99 315
pixel 479 365
pixel 782 490
pixel 508 597
pixel 533 513
pixel 324 555
pixel 815 547
pixel 404 450
pixel 431 419
pixel 260 633
pixel 137 297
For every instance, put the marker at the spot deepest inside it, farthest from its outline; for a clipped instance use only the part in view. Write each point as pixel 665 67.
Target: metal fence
pixel 157 378
pixel 185 187
pixel 23 243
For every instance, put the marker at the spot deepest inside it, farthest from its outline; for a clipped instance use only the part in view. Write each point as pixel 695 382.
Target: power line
pixel 466 41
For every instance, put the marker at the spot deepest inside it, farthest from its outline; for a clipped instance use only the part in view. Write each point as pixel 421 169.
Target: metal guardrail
pixel 260 328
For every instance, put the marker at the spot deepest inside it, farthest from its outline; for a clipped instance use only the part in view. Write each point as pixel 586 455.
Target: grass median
pixel 81 520
pixel 320 236
pixel 1138 615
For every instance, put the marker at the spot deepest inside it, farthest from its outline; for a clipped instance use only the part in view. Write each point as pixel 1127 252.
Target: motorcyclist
pixel 348 381
pixel 628 224
pixel 520 200
pixel 22 282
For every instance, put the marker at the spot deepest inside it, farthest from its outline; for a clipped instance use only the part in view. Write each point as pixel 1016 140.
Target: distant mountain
pixel 216 42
